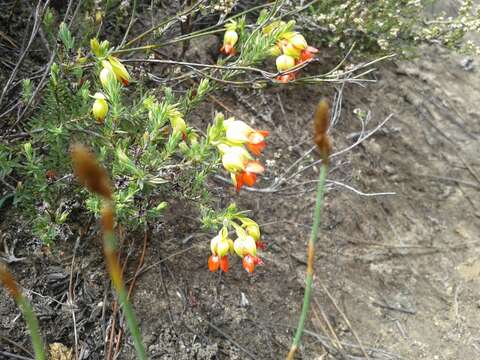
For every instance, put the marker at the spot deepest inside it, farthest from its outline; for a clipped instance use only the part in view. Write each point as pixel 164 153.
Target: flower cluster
pixel 230 38
pixel 245 245
pixel 291 50
pixel 233 138
pixel 112 70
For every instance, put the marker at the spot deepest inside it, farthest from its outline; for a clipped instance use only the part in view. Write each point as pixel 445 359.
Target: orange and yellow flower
pixel 238 132
pixel 238 162
pixel 118 69
pixel 220 246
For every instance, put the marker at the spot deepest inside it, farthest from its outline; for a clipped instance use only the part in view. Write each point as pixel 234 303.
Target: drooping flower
pixel 245 245
pixel 249 262
pixel 240 133
pixel 234 158
pixel 224 263
pixel 275 51
pixel 285 63
pixel 253 230
pixel 118 69
pixel 220 246
pixel 100 107
pixel 289 49
pixel 229 40
pixel 297 40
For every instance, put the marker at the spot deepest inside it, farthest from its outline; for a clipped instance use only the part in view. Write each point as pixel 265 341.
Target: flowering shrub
pixel 142 135
pixel 391 25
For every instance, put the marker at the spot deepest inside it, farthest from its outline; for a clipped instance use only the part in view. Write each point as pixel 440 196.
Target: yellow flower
pixel 235 158
pixel 298 41
pixel 237 131
pixel 118 69
pixel 254 231
pixel 275 51
pixel 285 62
pixel 106 75
pixel 290 50
pixel 179 126
pixel 245 246
pixel 95 46
pixel 100 107
pixel 221 245
pixel 229 40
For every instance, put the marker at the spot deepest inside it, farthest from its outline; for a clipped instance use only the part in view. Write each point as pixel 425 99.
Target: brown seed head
pixel 89 172
pixel 321 122
pixel 7 280
pixel 107 218
pixel 321 118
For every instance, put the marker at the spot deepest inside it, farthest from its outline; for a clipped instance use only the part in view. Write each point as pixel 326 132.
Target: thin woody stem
pixel 310 261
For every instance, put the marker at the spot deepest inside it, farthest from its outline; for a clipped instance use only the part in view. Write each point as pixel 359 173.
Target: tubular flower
pixel 229 40
pixel 275 51
pixel 238 132
pixel 246 248
pixel 291 50
pixel 298 41
pixel 118 69
pixel 100 107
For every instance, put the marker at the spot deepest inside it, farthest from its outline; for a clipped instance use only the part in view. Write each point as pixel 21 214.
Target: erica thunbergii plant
pixel 321 138
pixel 7 280
pixel 94 177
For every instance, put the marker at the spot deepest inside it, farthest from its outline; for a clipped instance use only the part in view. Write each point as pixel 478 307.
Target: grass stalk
pixel 94 177
pixel 6 278
pixel 115 272
pixel 310 261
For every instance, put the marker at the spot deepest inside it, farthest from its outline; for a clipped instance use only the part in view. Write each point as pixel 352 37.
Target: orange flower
pixel 256 141
pixel 308 53
pixel 216 262
pixel 213 263
pixel 287 77
pixel 229 40
pixel 224 263
pixel 249 175
pixel 249 262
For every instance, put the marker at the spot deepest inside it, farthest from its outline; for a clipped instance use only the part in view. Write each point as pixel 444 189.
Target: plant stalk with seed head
pixel 321 138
